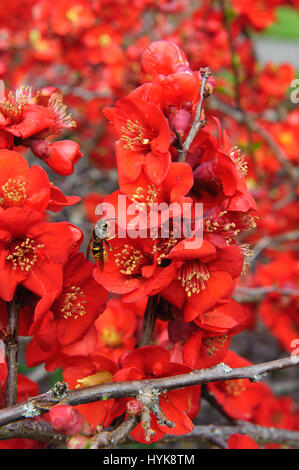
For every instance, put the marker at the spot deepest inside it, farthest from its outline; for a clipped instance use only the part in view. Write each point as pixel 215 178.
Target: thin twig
pixel 260 434
pixel 198 122
pixel 119 434
pixel 29 429
pixel 256 294
pixel 149 321
pixel 11 346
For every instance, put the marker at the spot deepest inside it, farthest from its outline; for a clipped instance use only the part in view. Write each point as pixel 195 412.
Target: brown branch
pixel 46 401
pixel 29 429
pixel 267 240
pixel 11 347
pixel 149 321
pixel 198 121
pixel 256 294
pixel 119 434
pixel 260 434
pixel 111 439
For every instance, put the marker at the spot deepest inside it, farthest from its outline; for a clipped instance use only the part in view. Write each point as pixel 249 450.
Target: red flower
pixel 131 264
pixel 227 318
pixel 278 312
pixel 20 185
pixel 32 251
pixel 144 137
pixel 175 186
pixel 259 14
pixel 63 319
pixel 219 173
pixel 205 345
pixel 239 397
pixel 94 370
pixel 204 276
pixel 154 362
pixel 276 412
pixel 69 17
pixel 115 329
pixel 275 79
pixel 103 45
pixel 21 117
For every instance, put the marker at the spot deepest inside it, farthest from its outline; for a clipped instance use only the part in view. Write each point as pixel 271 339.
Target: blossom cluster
pixel 86 317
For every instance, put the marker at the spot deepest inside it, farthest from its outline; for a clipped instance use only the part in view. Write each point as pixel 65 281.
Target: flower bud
pixel 210 86
pixel 134 407
pixel 68 420
pixel 179 119
pixel 61 156
pixel 164 57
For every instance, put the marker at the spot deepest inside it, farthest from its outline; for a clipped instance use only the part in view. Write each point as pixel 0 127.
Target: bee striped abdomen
pixel 97 249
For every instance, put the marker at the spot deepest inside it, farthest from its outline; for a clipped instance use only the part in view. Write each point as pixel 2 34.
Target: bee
pixel 98 243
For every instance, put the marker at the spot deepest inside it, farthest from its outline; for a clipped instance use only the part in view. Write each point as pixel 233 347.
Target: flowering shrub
pixel 149 316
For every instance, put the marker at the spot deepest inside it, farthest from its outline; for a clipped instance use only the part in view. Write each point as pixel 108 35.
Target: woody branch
pixel 44 402
pixel 11 347
pixel 261 434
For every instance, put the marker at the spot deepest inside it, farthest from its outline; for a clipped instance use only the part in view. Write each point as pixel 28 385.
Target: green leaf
pixel 286 25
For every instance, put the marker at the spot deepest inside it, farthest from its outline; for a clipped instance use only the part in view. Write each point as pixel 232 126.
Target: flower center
pixel 104 40
pixel 163 246
pixel 12 106
pixel 62 119
pixel 130 260
pixel 147 196
pixel 73 14
pixel 193 275
pixel 111 337
pixel 235 387
pixel 214 343
pixel 133 136
pixel 23 254
pixel 71 303
pixel 239 161
pixel 13 193
pixel 229 229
